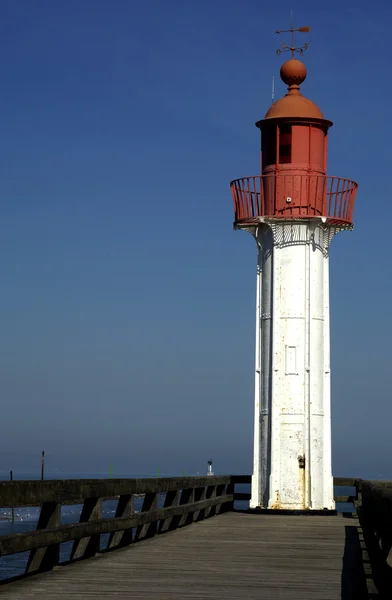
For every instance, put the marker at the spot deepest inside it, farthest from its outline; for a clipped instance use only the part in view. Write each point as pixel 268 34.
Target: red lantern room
pixel 293 183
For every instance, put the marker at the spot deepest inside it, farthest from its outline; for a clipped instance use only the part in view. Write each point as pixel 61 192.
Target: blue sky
pixel 127 300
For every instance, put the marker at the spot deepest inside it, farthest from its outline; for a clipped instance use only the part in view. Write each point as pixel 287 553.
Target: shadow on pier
pixel 354 584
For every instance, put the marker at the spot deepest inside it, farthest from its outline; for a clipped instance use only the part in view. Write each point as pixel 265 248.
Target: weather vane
pixel 293 48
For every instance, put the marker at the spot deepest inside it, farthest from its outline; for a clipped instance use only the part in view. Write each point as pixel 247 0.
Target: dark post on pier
pixel 43 465
pixel 12 507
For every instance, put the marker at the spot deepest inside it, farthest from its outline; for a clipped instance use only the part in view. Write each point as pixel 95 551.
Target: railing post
pixel 44 559
pixel 210 493
pixel 200 495
pixel 229 506
pixel 89 546
pixel 187 497
pixel 150 502
pixel 171 499
pixel 120 539
pixel 358 498
pixel 220 491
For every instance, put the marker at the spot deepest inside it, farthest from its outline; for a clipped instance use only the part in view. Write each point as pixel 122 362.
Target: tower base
pixel 311 513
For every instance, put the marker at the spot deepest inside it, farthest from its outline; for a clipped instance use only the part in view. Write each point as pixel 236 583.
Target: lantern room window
pixel 269 146
pixel 285 143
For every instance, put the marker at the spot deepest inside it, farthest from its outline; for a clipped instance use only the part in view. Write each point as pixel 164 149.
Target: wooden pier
pixel 190 542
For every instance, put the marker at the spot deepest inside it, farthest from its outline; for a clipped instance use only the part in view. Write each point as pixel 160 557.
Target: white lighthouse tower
pixel 293 210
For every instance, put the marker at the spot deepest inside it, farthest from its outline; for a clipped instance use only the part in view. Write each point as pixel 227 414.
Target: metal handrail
pixel 293 196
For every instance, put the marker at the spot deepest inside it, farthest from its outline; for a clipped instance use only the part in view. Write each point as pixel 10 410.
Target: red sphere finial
pixel 293 73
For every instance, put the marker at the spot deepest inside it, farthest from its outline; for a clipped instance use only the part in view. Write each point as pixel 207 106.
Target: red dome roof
pixel 294 104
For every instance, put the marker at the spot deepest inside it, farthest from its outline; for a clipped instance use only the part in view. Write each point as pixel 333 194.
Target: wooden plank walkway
pixel 231 556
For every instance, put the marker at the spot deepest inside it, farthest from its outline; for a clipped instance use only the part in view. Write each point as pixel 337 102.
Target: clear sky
pixel 127 300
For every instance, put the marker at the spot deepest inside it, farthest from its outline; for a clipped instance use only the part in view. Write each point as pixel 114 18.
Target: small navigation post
pixel 12 508
pixel 43 465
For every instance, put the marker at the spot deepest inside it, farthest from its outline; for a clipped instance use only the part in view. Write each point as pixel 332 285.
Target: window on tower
pixel 269 146
pixel 285 142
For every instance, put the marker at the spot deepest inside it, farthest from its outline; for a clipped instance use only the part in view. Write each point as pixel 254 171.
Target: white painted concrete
pixel 292 437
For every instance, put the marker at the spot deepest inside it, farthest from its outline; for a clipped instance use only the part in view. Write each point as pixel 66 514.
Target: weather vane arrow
pixel 293 48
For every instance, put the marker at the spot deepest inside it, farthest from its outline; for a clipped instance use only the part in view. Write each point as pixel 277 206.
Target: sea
pixel 26 518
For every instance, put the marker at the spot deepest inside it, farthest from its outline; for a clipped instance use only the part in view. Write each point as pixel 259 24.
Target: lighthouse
pixel 293 209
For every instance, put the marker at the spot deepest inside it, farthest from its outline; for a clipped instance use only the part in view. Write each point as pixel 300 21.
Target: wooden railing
pixel 166 504
pixel 375 515
pixel 347 482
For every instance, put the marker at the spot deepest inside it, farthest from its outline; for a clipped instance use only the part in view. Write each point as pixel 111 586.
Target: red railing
pixel 293 196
